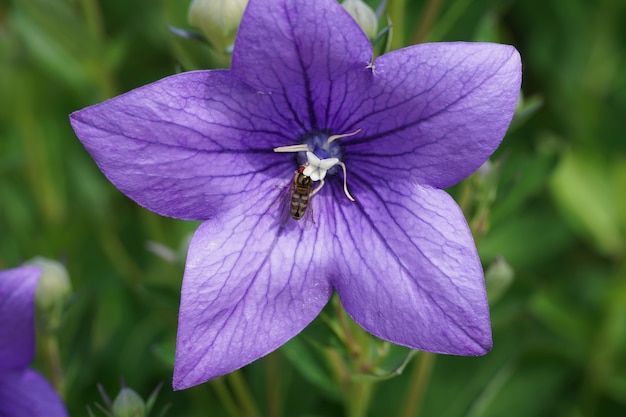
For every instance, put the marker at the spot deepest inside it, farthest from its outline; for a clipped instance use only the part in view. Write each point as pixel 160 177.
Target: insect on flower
pixel 300 194
pixel 314 169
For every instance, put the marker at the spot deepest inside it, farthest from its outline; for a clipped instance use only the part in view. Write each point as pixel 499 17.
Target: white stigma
pixel 317 168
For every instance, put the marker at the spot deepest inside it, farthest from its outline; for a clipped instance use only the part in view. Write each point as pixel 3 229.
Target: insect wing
pixel 284 203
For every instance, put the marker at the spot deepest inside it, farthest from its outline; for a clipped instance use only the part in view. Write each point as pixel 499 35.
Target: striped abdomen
pixel 301 192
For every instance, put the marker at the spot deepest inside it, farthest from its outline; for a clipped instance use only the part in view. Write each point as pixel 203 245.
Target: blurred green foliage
pixel 555 211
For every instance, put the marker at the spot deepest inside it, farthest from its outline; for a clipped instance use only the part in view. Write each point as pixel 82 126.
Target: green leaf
pixel 308 359
pixel 526 107
pixel 583 187
pixel 524 391
pixel 561 316
pixel 152 398
pixel 166 353
pixel 529 238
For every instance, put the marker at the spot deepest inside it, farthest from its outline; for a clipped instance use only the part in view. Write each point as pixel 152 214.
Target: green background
pixel 554 207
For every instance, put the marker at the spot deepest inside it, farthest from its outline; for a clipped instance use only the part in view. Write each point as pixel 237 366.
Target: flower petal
pixel 17 309
pixel 302 53
pixel 434 112
pixel 247 289
pixel 28 394
pixel 184 146
pixel 407 270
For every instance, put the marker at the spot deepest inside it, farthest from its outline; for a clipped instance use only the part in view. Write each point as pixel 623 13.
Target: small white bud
pixel 498 278
pixel 218 20
pixel 364 16
pixel 128 404
pixel 485 169
pixel 53 290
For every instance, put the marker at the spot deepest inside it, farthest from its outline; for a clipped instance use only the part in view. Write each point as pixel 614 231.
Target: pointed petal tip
pixel 185 379
pixel 241 301
pixel 448 106
pixel 480 348
pixel 180 382
pixel 432 294
pixel 178 385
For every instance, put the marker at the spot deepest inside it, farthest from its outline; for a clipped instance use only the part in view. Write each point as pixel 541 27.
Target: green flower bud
pixel 128 404
pixel 53 291
pixel 364 16
pixel 498 278
pixel 218 20
pixel 485 170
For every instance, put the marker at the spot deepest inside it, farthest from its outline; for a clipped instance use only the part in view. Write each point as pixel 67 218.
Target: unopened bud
pixel 218 20
pixel 485 169
pixel 498 278
pixel 128 404
pixel 53 290
pixel 364 16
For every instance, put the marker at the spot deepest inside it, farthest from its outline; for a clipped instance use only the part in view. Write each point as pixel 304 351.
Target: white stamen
pixel 345 135
pixel 317 168
pixel 301 147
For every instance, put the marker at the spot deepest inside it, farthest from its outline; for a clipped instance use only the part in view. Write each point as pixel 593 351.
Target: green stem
pixel 349 340
pixel 103 75
pixel 242 391
pixel 53 358
pixel 429 14
pixel 359 398
pixel 119 256
pixel 273 381
pixel 397 12
pixel 224 397
pixel 447 21
pixel 358 391
pixel 417 385
pixel 465 196
pixel 38 156
pixel 480 223
pixel 93 17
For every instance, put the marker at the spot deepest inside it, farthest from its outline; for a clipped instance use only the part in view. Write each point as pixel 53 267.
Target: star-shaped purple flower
pixel 23 392
pixel 210 145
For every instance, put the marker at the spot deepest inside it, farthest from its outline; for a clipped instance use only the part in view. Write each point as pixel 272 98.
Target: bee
pixel 300 194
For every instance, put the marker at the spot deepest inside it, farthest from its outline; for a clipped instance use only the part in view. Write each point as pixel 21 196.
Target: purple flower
pixel 23 392
pixel 210 145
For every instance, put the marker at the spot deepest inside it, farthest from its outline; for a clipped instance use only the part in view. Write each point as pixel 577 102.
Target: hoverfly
pixel 300 194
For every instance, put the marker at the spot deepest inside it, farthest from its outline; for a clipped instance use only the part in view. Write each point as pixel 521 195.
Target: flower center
pixel 320 146
pixel 320 154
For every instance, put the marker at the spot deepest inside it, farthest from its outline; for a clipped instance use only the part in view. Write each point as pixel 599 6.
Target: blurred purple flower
pixel 200 145
pixel 23 392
